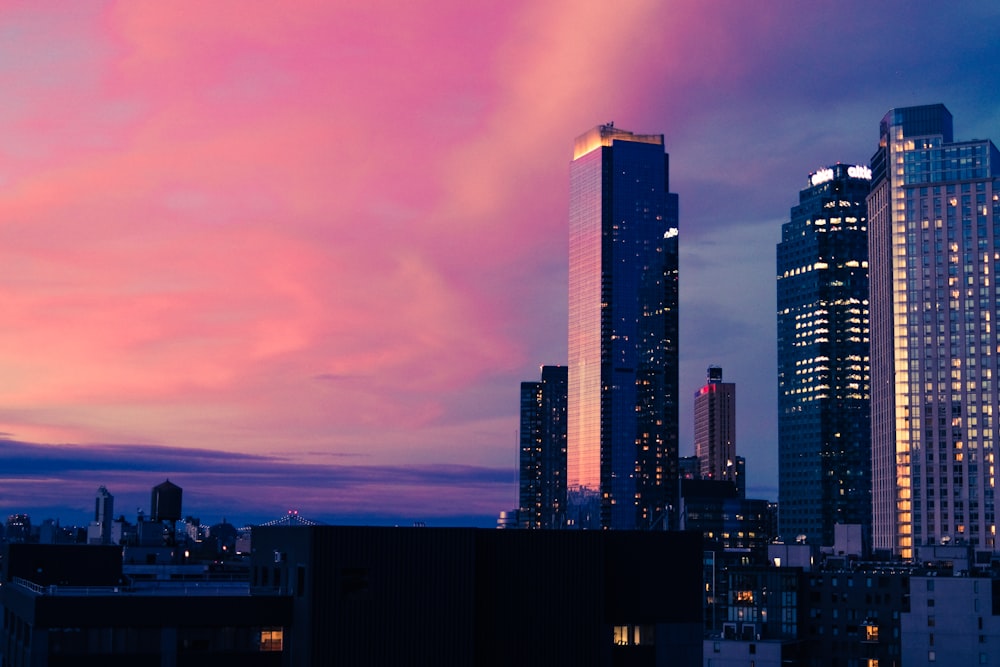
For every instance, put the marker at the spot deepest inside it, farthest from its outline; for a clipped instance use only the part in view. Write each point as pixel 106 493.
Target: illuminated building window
pixel 633 635
pixel 272 639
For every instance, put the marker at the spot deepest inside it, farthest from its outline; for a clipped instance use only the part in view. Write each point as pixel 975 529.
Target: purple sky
pixel 303 257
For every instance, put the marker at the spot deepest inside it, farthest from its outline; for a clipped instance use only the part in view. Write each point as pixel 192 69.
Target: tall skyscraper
pixel 623 386
pixel 824 441
pixel 542 479
pixel 715 427
pixel 104 515
pixel 935 256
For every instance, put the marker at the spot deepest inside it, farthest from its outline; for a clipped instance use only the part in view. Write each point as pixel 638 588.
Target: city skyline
pixel 309 260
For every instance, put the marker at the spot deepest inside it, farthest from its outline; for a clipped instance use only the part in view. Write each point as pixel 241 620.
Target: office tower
pixel 935 255
pixel 622 438
pixel 824 451
pixel 543 451
pixel 104 516
pixel 715 427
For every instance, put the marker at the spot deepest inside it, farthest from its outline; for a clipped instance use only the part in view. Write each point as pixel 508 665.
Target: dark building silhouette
pixel 18 528
pixel 165 502
pixel 222 536
pixel 72 605
pixel 688 467
pixel 727 521
pixel 441 596
pixel 623 327
pixel 739 477
pixel 165 509
pixel 104 516
pixel 736 532
pixel 542 475
pixel 824 443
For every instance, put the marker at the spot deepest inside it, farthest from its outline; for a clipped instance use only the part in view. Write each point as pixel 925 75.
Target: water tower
pixel 165 506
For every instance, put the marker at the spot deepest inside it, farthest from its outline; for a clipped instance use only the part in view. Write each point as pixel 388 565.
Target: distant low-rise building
pixel 73 605
pixel 735 532
pixel 18 528
pixel 825 608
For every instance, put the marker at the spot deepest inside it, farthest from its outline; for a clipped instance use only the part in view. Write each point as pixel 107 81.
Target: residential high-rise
pixel 715 427
pixel 824 450
pixel 542 479
pixel 934 247
pixel 623 386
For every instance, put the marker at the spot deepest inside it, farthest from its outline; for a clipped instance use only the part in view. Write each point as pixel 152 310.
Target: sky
pixel 301 256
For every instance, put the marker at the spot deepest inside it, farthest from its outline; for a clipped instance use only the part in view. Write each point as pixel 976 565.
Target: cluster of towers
pixel 160 527
pixel 887 308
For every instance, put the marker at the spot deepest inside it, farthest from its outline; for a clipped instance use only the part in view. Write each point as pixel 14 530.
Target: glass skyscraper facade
pixel 824 440
pixel 935 256
pixel 623 383
pixel 542 474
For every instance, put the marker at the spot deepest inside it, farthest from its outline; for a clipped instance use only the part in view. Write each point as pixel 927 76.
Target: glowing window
pixel 633 635
pixel 271 639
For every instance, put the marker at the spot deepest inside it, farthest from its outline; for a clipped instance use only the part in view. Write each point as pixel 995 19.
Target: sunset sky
pixel 302 254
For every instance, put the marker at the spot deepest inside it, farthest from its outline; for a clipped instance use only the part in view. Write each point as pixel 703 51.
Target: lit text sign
pixel 853 171
pixel 821 176
pixel 860 171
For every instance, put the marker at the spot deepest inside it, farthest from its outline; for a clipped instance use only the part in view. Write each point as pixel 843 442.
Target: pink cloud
pixel 340 228
pixel 337 227
pixel 355 194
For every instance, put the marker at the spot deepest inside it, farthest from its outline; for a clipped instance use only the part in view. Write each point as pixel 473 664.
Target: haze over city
pixel 302 257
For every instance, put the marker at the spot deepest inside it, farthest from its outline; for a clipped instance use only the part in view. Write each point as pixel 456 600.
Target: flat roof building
pixel 72 605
